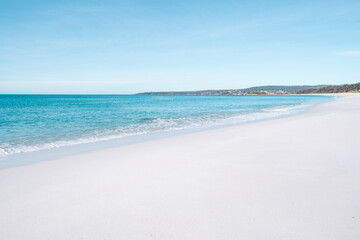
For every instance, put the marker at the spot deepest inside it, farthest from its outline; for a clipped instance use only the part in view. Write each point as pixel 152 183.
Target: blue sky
pixel 133 46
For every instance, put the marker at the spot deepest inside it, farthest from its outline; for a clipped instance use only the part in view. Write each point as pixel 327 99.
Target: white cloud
pixel 349 53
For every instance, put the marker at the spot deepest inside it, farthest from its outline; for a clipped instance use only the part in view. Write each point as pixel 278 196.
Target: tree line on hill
pixel 268 90
pixel 333 89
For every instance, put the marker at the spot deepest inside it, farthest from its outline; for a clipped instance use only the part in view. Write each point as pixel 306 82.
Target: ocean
pixel 33 123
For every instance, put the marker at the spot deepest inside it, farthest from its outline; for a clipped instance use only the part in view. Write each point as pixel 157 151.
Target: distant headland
pixel 268 90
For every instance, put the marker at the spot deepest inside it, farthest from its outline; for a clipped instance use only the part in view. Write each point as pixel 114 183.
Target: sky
pixel 114 47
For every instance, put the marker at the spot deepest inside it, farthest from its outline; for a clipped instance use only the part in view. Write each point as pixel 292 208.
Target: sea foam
pixel 34 123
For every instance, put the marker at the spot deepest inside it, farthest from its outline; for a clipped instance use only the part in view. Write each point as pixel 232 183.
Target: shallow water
pixel 30 123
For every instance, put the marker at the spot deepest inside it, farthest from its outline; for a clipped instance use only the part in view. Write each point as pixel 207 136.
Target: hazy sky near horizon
pixel 109 46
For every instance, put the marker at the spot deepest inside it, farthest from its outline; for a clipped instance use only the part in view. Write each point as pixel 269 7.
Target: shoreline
pixel 53 153
pixel 294 177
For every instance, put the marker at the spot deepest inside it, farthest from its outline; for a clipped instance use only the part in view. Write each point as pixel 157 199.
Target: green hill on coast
pixel 267 90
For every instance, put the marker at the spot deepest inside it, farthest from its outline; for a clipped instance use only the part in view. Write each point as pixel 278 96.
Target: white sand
pixel 291 178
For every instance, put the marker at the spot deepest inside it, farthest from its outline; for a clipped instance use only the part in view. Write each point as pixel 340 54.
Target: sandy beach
pixel 290 178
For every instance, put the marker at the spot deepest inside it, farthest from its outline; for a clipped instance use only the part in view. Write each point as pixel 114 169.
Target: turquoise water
pixel 31 123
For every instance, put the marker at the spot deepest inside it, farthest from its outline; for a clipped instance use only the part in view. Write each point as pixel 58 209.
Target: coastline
pixel 294 177
pixel 62 147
